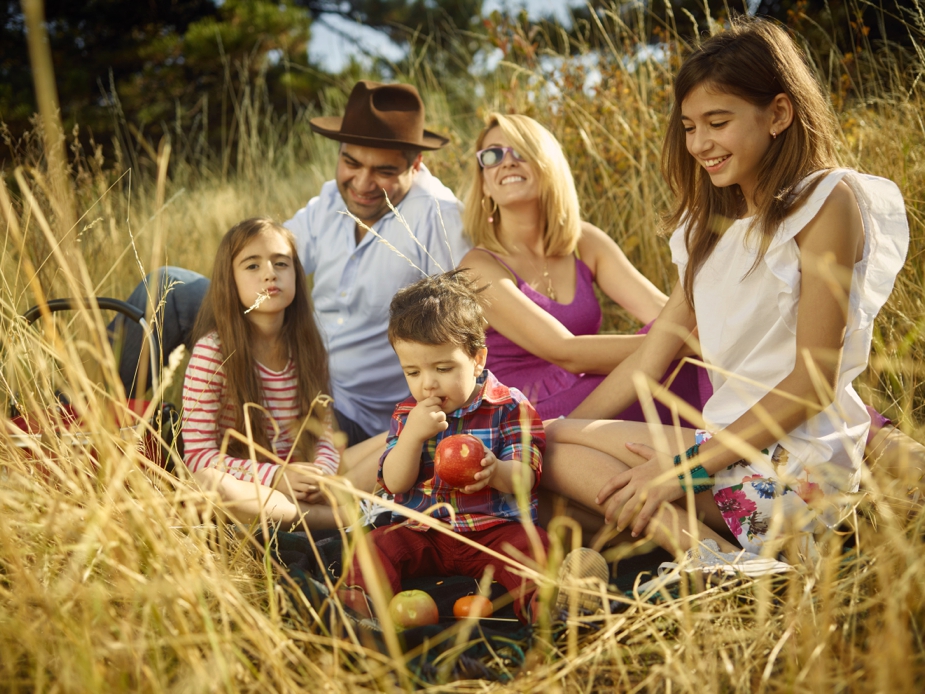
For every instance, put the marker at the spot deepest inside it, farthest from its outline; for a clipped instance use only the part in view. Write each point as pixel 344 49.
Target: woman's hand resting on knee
pixel 636 495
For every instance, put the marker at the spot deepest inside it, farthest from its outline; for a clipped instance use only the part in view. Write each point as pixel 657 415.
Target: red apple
pixel 458 458
pixel 413 608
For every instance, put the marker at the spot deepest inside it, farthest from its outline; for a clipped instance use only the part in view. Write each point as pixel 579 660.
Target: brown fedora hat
pixel 387 116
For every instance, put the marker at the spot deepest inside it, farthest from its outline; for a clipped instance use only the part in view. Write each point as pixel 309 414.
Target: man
pixel 359 260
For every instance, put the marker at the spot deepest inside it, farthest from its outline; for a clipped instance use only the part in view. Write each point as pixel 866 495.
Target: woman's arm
pixel 617 277
pixel 667 337
pixel 523 322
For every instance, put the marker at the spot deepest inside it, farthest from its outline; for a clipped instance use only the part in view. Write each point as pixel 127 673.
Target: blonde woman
pixel 542 262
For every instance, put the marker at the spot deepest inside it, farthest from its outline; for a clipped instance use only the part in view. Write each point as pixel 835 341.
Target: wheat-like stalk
pixel 116 576
pixel 261 297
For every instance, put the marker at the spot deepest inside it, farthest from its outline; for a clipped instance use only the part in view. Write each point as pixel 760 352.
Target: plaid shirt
pixel 507 424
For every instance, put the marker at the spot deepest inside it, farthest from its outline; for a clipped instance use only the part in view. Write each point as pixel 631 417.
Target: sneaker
pixel 581 575
pixel 371 512
pixel 708 559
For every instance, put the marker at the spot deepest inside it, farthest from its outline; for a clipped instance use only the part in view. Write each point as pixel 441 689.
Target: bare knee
pixel 222 483
pixel 209 478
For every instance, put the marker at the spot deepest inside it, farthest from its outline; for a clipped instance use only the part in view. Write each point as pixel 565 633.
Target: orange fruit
pixel 474 605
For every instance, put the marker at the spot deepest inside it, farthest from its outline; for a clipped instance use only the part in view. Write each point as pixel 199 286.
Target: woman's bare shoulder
pixel 594 238
pixel 484 263
pixel 590 232
pixel 596 245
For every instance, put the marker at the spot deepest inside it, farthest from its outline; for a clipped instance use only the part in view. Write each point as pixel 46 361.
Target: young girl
pixel 784 263
pixel 256 342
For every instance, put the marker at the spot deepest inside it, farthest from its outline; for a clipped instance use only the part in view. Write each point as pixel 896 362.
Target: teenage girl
pixel 784 262
pixel 256 342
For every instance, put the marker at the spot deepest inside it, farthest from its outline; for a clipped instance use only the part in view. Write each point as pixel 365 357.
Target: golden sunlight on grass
pixel 118 576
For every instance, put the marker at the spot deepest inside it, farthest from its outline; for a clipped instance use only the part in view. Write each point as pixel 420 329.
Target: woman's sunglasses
pixel 491 157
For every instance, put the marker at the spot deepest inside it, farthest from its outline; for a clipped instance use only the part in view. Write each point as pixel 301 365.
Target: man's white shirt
pixel 354 284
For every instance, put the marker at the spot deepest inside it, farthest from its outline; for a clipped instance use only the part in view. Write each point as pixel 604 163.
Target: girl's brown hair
pixel 558 197
pixel 222 312
pixel 754 60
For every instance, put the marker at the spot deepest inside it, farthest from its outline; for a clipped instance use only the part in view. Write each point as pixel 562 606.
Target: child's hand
pixel 426 420
pixel 633 497
pixel 484 476
pixel 293 481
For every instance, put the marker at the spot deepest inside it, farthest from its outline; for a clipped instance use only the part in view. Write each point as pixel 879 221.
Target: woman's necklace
pixel 550 290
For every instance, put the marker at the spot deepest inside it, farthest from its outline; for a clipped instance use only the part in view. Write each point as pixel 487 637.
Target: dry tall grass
pixel 114 575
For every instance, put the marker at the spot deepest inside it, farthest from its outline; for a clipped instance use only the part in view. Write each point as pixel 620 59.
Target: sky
pixel 330 50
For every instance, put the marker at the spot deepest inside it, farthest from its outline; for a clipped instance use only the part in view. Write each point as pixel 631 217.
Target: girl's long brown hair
pixel 223 313
pixel 754 60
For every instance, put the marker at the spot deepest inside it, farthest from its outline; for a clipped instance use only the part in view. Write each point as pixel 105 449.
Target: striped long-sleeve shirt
pixel 207 415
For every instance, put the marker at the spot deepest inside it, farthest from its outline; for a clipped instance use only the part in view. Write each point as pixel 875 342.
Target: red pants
pixel 407 553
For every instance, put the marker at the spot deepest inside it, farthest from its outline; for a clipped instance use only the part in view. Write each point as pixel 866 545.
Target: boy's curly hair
pixel 438 310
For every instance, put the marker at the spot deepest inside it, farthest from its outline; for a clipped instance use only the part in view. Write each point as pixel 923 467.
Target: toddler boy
pixel 437 329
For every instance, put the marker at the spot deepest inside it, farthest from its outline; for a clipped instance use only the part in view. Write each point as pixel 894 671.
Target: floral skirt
pixel 757 505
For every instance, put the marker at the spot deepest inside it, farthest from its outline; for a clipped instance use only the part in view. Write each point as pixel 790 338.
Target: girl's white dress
pixel 747 323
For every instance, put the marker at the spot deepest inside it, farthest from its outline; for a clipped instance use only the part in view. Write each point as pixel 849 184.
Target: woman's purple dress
pixel 555 391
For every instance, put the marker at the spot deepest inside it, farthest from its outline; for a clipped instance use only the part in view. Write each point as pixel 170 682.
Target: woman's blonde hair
pixel 754 60
pixel 558 197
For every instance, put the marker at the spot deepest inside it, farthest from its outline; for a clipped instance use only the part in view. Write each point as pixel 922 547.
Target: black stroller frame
pixel 166 419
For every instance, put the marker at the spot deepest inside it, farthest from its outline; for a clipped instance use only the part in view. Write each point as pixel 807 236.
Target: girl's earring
pixel 774 134
pixel 491 213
